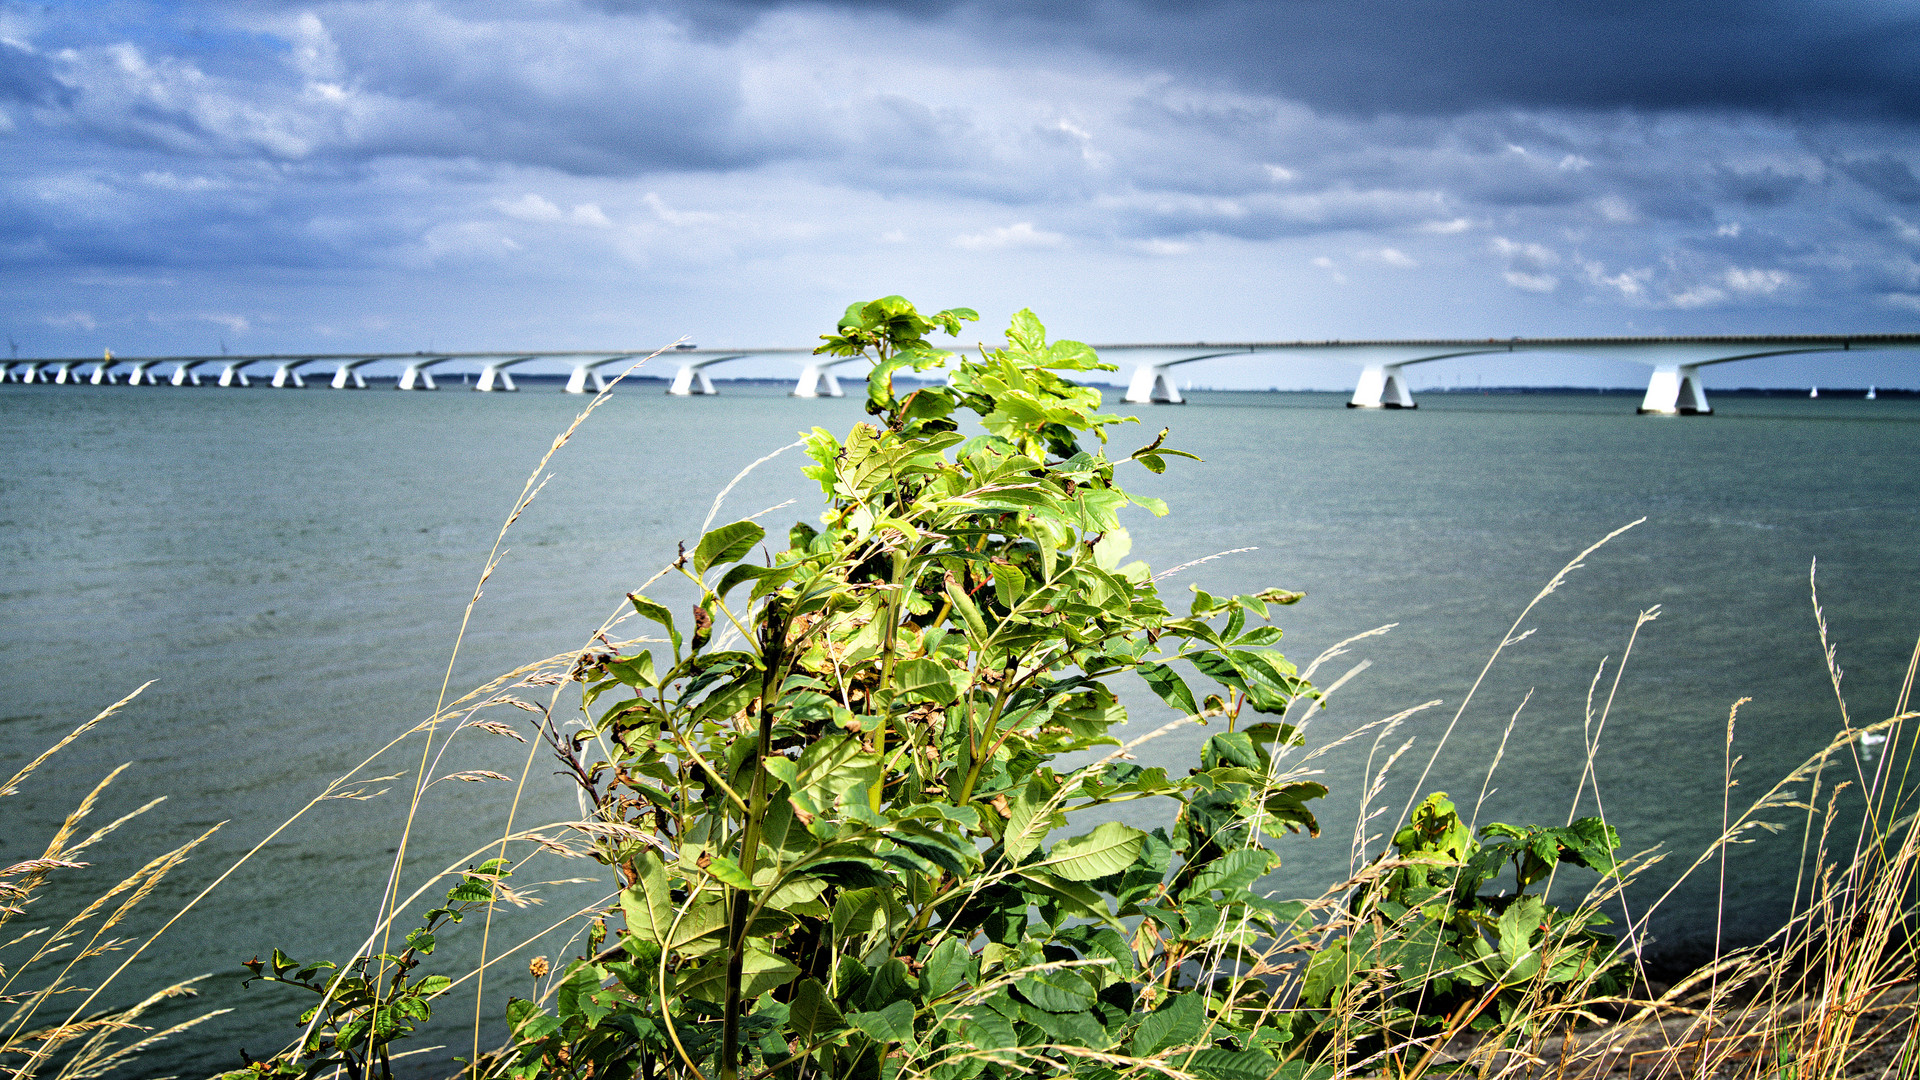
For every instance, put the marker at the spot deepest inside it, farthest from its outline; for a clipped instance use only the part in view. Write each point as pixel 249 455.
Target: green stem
pixel 739 900
pixel 882 698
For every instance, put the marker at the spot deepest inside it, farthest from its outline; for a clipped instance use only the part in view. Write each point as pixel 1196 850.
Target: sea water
pixel 291 570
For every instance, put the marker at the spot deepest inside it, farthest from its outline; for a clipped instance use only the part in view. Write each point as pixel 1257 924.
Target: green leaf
pixel 648 904
pixel 969 614
pixel 1229 873
pixel 575 996
pixel 925 679
pixel 889 1025
pixel 985 1029
pixel 470 891
pixel 729 872
pixel 948 967
pixel 1233 1065
pixel 1058 990
pixel 649 609
pixel 811 1014
pixel 1177 1023
pixel 726 544
pixel 1023 833
pixel 1172 689
pixel 761 971
pixel 1105 850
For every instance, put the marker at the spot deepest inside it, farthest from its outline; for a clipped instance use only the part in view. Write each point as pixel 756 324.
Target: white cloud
pixel 1538 283
pixel 1617 210
pixel 1757 282
pixel 530 207
pixel 1018 235
pixel 1730 229
pixel 1907 301
pixel 1698 296
pixel 1630 284
pixel 1530 254
pixel 1447 228
pixel 677 217
pixel 76 320
pixel 590 214
pixel 1393 257
pixel 1574 163
pixel 1279 173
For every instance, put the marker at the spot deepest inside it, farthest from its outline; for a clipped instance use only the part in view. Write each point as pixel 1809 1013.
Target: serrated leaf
pixel 761 971
pixel 1023 833
pixel 1171 688
pixel 1107 849
pixel 1059 990
pixel 1229 873
pixel 650 609
pixel 811 1014
pixel 729 872
pixel 648 904
pixel 985 1029
pixel 726 544
pixel 1177 1023
pixel 1232 1064
pixel 889 1025
pixel 948 967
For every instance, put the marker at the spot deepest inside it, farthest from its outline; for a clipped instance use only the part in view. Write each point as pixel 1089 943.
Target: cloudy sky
pixel 405 174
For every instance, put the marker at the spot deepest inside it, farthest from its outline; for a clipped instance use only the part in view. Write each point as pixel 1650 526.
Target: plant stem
pixel 773 633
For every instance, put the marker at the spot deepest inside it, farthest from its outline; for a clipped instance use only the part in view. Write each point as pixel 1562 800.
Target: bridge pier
pixel 1674 389
pixel 1382 386
pixel 495 377
pixel 1152 384
pixel 288 374
pixel 27 373
pixel 584 374
pixel 691 380
pixel 231 375
pixel 347 376
pixel 102 374
pixel 417 377
pixel 817 380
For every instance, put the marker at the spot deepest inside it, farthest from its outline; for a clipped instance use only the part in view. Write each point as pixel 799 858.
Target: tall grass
pixel 68 957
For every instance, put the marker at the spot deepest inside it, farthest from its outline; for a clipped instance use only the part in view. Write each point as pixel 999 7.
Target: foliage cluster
pixel 838 792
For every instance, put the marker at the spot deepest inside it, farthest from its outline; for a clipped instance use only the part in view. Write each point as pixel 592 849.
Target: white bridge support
pixel 496 376
pixel 1153 384
pixel 690 379
pixel 418 375
pixel 63 372
pixel 818 380
pixel 1152 381
pixel 347 375
pixel 103 371
pixel 235 374
pixel 1675 389
pixel 27 373
pixel 187 372
pixel 587 374
pixel 288 373
pixel 141 373
pixel 1382 386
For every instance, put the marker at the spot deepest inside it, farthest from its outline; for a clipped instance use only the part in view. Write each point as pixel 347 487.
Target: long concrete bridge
pixel 1674 383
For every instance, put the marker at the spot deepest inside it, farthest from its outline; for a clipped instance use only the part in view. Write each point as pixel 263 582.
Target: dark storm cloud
pixel 1439 56
pixel 1593 161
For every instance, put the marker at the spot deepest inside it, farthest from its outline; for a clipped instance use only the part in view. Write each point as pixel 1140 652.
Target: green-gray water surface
pixel 291 569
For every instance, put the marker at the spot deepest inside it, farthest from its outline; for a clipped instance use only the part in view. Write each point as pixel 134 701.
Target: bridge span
pixel 1674 383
